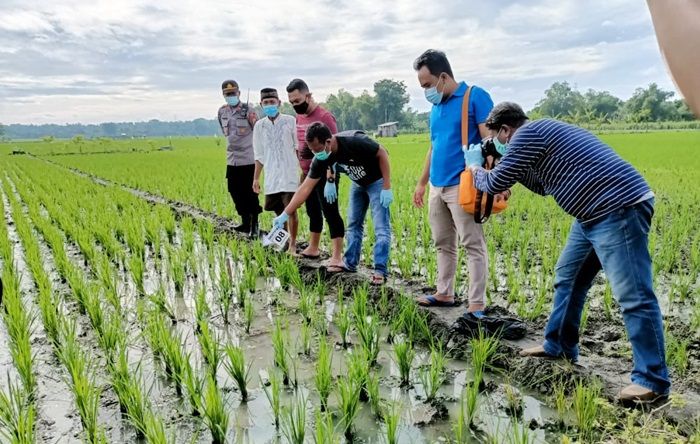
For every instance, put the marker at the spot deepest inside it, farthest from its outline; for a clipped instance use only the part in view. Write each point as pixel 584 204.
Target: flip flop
pixel 335 269
pixel 310 256
pixel 377 279
pixel 432 301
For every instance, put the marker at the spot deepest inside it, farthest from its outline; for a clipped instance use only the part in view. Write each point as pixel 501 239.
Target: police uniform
pixel 237 123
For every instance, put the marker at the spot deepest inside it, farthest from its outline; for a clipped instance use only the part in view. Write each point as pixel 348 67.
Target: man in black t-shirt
pixel 366 163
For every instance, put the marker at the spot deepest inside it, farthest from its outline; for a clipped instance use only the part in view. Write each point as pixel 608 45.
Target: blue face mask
pixel 432 94
pixel 232 100
pixel 501 147
pixel 322 155
pixel 270 110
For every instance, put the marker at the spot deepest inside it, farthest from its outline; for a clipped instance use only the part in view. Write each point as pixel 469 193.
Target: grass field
pixel 125 321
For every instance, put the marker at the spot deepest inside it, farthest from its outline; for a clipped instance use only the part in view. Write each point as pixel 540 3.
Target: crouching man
pixel 366 163
pixel 613 206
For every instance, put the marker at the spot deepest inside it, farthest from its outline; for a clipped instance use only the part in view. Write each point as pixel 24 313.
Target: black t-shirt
pixel 356 156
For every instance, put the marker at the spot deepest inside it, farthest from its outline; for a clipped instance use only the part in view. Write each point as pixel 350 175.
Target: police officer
pixel 237 122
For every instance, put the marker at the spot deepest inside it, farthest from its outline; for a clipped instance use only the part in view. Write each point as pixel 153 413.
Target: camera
pixel 488 148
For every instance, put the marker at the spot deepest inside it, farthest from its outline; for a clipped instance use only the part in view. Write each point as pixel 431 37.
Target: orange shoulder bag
pixel 472 200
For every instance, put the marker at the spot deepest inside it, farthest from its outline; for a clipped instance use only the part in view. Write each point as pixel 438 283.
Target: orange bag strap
pixel 465 117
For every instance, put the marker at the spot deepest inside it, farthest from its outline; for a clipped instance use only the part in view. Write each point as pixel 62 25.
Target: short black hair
pixel 318 131
pixel 436 62
pixel 506 113
pixel 298 84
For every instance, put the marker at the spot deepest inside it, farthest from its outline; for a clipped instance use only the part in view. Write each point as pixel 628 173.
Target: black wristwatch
pixel 330 180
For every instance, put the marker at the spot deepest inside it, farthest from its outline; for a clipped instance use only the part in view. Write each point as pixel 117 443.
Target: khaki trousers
pixel 450 223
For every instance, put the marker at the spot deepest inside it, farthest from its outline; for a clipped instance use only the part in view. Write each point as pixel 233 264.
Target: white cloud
pixel 120 60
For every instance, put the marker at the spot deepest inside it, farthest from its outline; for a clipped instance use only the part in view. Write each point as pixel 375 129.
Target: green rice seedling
pixel 367 328
pixel 261 259
pixel 153 230
pixel 250 277
pixel 279 344
pixel 319 321
pixel 519 434
pixel 358 366
pixel 677 353
pixel 325 430
pixel 167 219
pixel 19 327
pixel 17 415
pixel 433 375
pixel 176 265
pixel 484 348
pixel 468 406
pixel 108 280
pixel 514 400
pixel 343 322
pixel 112 336
pixel 154 430
pixel 206 232
pixel 248 313
pixel 404 355
pixel 608 301
pixel 561 402
pixel 294 420
pixel 320 288
pixel 584 317
pixel 214 413
pixel 161 303
pixel 127 387
pixel 225 286
pixel 49 307
pixel 373 394
pixel 187 226
pixel 209 344
pixel 305 338
pixel 306 305
pixel 135 239
pixel 201 308
pixel 323 376
pixel 273 394
pixel 237 369
pixel 348 393
pixel 585 407
pixel 360 303
pixel 174 358
pixel 392 418
pixel 137 266
pixel 193 383
pixel 383 303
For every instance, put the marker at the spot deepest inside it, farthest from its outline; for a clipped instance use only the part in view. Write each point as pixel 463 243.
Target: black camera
pixel 488 148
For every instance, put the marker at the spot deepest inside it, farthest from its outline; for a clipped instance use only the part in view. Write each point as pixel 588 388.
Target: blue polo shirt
pixel 447 160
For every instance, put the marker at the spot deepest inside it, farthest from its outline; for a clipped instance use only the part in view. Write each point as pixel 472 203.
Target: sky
pixel 67 61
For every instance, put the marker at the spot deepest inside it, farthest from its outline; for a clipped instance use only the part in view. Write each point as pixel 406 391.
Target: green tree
pixel 391 97
pixel 650 104
pixel 342 105
pixel 366 106
pixel 560 101
pixel 602 105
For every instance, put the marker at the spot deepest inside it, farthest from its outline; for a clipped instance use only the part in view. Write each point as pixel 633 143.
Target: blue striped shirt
pixel 583 174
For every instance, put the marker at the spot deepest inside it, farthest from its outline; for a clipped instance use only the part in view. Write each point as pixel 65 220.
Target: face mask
pixel 232 100
pixel 501 147
pixel 432 95
pixel 301 108
pixel 270 110
pixel 322 155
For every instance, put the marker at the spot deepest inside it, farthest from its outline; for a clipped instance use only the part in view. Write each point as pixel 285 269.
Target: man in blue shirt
pixel 613 206
pixel 443 166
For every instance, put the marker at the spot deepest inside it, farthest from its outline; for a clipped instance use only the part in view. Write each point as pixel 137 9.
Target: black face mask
pixel 301 108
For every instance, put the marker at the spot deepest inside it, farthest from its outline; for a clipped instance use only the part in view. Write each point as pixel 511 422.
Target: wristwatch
pixel 331 179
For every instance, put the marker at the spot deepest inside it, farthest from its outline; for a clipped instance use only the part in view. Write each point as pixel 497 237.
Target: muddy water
pixel 56 416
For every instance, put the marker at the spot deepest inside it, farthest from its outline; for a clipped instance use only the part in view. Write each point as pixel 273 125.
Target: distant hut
pixel 388 129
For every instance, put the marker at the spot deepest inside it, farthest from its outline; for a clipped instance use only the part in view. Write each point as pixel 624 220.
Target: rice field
pixel 132 314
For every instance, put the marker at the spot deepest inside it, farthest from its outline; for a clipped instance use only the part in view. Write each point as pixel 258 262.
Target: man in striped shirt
pixel 613 206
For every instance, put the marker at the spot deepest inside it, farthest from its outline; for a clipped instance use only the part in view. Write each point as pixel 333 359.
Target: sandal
pixel 432 301
pixel 377 279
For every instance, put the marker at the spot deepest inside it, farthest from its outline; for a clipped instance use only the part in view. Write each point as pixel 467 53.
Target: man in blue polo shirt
pixel 443 166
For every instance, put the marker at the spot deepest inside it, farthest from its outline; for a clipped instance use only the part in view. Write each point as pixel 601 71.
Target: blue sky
pixel 123 60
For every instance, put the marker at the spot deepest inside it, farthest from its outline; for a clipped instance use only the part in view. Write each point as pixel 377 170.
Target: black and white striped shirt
pixel 583 174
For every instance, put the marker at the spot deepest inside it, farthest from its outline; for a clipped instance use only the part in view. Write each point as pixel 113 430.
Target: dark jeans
pixel 240 187
pixel 317 208
pixel 618 244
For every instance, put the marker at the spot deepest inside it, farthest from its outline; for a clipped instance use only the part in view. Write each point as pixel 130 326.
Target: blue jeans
pixel 360 199
pixel 617 243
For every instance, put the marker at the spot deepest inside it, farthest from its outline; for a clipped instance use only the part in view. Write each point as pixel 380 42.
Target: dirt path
pixel 611 369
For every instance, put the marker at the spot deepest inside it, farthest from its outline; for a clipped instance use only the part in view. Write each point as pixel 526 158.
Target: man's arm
pixel 677 26
pixel 256 176
pixel 301 195
pixel 422 181
pixel 258 153
pixel 384 167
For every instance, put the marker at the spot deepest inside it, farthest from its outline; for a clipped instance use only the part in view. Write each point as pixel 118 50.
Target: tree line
pixel 387 102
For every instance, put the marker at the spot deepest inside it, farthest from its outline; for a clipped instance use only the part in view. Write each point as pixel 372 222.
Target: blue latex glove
pixel 280 220
pixel 386 197
pixel 330 192
pixel 472 156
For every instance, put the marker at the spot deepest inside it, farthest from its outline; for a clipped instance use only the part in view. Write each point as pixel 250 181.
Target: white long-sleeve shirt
pixel 275 147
